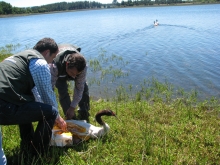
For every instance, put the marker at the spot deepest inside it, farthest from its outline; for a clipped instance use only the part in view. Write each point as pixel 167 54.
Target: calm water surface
pixel 183 49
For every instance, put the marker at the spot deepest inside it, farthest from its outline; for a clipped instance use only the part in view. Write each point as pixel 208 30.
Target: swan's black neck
pixel 101 113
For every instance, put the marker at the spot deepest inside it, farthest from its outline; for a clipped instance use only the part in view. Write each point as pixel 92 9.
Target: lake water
pixel 183 49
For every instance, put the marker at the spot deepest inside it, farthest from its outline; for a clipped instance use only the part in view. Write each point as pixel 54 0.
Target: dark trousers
pixel 45 115
pixel 64 97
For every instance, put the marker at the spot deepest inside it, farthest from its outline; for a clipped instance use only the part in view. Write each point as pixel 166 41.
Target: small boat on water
pixel 156 23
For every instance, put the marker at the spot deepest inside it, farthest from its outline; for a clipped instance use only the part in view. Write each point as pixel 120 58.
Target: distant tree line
pixel 7 8
pixel 159 2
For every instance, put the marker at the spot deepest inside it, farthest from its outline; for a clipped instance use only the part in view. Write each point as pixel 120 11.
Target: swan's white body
pixel 156 23
pixel 80 130
pixel 91 130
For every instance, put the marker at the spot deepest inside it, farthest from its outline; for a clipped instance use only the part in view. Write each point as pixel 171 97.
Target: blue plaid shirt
pixel 42 78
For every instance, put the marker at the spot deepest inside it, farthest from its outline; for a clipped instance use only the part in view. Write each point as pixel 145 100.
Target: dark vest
pixel 16 81
pixel 60 59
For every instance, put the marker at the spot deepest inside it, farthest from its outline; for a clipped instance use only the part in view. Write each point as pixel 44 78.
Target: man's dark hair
pixel 46 43
pixel 77 61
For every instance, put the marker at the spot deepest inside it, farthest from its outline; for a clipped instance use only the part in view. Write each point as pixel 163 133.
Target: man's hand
pixel 70 113
pixel 61 123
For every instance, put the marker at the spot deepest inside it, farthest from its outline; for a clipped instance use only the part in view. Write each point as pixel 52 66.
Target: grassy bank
pixel 149 132
pixel 157 125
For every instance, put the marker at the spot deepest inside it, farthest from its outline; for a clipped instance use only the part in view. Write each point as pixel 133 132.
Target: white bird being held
pixel 81 130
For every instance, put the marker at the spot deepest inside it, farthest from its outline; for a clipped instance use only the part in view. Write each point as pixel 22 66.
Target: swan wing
pixel 79 130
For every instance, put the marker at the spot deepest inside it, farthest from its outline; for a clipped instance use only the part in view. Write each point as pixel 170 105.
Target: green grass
pixel 157 125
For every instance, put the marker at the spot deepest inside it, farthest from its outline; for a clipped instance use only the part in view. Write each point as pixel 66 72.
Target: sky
pixel 29 3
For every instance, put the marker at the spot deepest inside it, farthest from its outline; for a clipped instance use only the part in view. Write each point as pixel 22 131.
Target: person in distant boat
pixel 156 23
pixel 70 65
pixel 20 74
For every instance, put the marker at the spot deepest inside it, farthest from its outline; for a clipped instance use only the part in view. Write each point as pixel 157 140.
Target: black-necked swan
pixel 81 130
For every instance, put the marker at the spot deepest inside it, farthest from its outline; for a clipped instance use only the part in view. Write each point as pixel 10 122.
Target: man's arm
pixel 78 92
pixel 42 78
pixel 79 87
pixel 54 73
pixel 40 72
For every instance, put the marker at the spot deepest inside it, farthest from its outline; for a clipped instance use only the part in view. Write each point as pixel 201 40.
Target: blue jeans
pixel 37 141
pixel 3 160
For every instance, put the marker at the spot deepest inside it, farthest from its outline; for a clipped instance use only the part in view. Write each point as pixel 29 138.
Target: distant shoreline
pixel 155 5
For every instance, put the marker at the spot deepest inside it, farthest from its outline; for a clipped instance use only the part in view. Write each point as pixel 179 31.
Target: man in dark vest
pixel 20 74
pixel 69 65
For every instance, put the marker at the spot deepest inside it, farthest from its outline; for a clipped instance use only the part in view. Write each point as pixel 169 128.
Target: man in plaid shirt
pixel 20 73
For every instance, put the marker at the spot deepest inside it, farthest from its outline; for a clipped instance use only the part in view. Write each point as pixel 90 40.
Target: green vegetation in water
pixel 157 125
pixel 7 50
pixel 103 69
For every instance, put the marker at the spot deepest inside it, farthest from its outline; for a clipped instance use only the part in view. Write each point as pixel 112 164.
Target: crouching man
pixel 70 65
